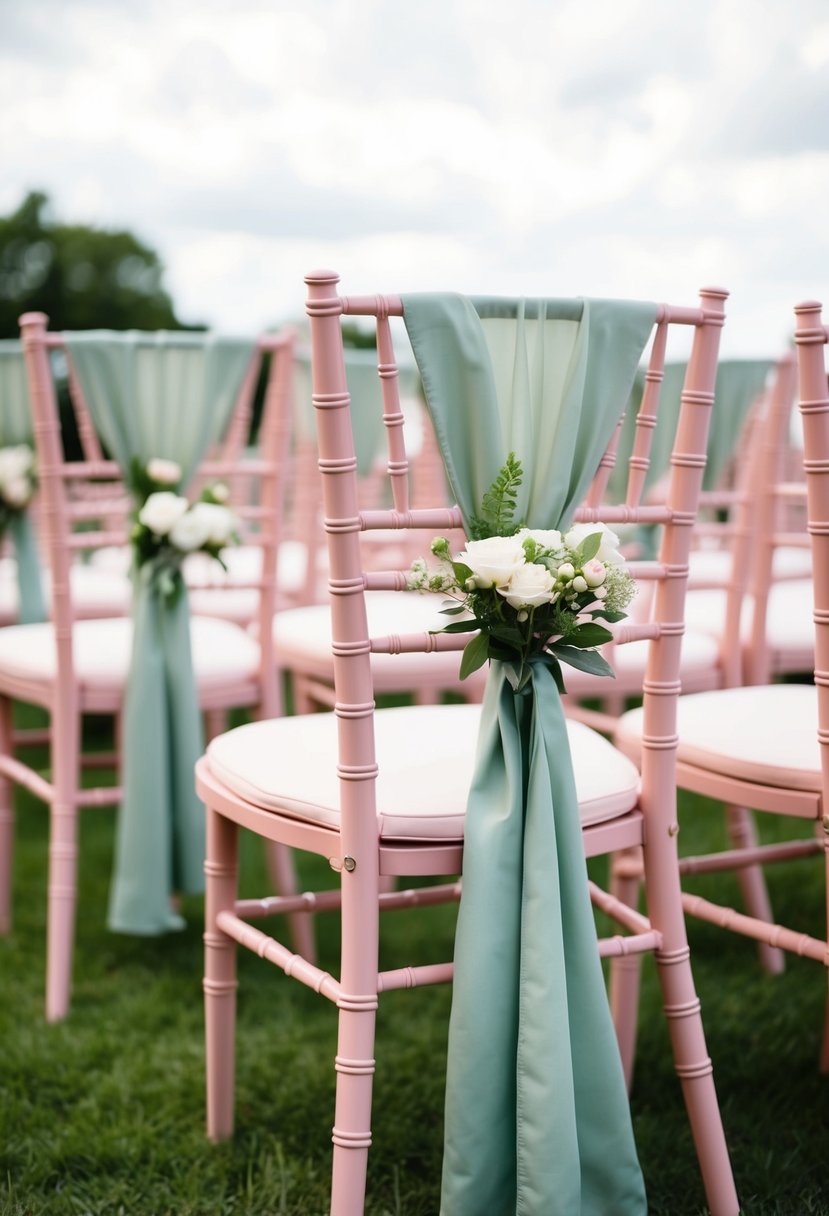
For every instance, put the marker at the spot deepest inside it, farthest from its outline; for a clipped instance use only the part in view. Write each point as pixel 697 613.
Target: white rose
pixel 191 530
pixel 608 546
pixel 162 511
pixel 15 463
pixel 548 538
pixel 493 561
pixel 164 472
pixel 17 491
pixel 529 586
pixel 219 523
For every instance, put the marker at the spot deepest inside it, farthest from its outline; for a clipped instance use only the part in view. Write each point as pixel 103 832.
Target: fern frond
pixel 500 502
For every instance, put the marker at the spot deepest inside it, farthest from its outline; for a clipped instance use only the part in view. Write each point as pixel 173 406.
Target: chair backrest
pixel 346 519
pixel 811 338
pixel 79 521
pixel 776 498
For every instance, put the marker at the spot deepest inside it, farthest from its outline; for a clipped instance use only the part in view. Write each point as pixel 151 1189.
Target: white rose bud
pixel 594 572
pixel 162 511
pixel 566 570
pixel 547 538
pixel 579 584
pixel 164 472
pixel 219 492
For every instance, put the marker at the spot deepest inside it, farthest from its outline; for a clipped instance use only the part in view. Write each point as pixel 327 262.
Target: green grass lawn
pixel 104 1113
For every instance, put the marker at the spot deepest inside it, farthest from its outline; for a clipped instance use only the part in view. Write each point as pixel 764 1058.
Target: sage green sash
pixel 169 395
pixel 366 402
pixel 739 382
pixel 537 1116
pixel 15 428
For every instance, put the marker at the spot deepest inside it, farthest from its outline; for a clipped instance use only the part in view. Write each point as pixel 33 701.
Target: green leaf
pixel 459 627
pixel 607 615
pixel 585 660
pixel 589 634
pixel 474 655
pixel 508 634
pixel 455 610
pixel 588 548
pixel 461 573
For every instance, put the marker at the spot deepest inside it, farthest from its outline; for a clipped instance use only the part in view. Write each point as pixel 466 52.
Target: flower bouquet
pixel 168 527
pixel 529 593
pixel 17 482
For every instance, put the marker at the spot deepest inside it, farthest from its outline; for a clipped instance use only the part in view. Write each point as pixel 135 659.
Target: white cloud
pixel 591 146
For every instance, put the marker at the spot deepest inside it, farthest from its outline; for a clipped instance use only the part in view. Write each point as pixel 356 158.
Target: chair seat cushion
pixel 700 662
pixel 221 652
pixel 425 756
pixel 95 592
pixel 766 734
pixel 302 639
pixel 789 622
pixel 714 565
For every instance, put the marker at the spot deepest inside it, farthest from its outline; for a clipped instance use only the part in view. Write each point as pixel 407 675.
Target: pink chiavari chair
pixel 348 785
pixel 763 746
pixel 74 667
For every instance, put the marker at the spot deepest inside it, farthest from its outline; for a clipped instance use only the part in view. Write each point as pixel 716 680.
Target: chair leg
pixel 824 1046
pixel 284 878
pixel 62 900
pixel 696 1075
pixel 626 970
pixel 221 870
pixel 6 822
pixel 215 723
pixel 684 1018
pixel 742 832
pixel 351 1134
pixel 824 1043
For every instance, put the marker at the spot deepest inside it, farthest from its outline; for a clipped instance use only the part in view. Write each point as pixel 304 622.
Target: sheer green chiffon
pixel 16 428
pixel 537 1116
pixel 158 395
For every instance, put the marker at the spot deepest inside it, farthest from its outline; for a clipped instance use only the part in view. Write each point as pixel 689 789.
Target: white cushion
pixel 714 565
pixel 700 657
pixel 94 591
pixel 425 756
pixel 101 650
pixel 244 563
pixel 302 636
pixel 789 622
pixel 766 734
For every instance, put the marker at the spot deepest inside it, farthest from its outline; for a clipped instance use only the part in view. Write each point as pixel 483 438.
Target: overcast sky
pixel 526 147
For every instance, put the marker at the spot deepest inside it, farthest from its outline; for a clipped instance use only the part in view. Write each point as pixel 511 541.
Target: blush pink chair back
pixel 72 667
pixel 382 793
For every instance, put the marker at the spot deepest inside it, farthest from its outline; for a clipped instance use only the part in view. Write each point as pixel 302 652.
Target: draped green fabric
pixel 16 428
pixel 158 395
pixel 739 382
pixel 366 402
pixel 537 1115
